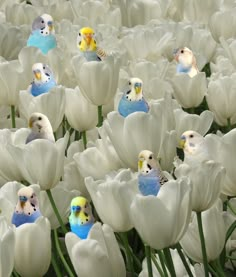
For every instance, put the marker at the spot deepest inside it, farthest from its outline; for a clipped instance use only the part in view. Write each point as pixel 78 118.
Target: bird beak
pixel 182 142
pixel 37 75
pixel 31 121
pixel 137 89
pixel 88 38
pixel 140 162
pixel 23 200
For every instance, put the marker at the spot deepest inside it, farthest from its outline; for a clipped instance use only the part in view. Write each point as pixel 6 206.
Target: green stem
pixel 149 260
pixel 169 262
pixel 100 117
pixel 229 126
pixel 55 266
pixel 84 138
pixel 67 268
pixel 203 245
pixel 13 117
pixel 77 135
pixel 183 259
pixel 125 241
pixel 56 210
pixel 15 273
pixel 231 208
pixel 162 260
pixel 217 268
pixel 157 266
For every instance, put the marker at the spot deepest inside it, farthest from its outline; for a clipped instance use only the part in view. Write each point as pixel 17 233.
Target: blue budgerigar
pixel 150 176
pixel 43 34
pixel 27 207
pixel 186 61
pixel 40 128
pixel 133 100
pixel 81 218
pixel 88 45
pixel 43 79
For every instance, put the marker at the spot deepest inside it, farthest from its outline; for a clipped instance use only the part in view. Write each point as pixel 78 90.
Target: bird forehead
pixel 145 154
pixel 136 80
pixel 87 30
pixel 26 191
pixel 47 17
pixel 37 66
pixel 79 201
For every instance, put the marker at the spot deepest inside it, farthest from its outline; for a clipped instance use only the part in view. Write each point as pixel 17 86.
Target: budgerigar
pixel 81 218
pixel 194 146
pixel 133 100
pixel 88 45
pixel 150 176
pixel 27 207
pixel 40 128
pixel 42 35
pixel 186 61
pixel 43 79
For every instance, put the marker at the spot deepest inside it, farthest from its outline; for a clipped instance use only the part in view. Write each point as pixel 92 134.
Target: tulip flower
pixel 33 248
pixel 52 104
pixel 162 221
pixel 223 150
pixel 189 92
pixel 220 95
pixel 7 244
pixel 207 181
pixel 112 198
pixel 80 114
pixel 41 161
pixel 98 255
pixel 97 81
pixel 214 234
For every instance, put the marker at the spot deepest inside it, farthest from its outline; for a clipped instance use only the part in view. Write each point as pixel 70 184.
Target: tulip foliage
pixel 92 217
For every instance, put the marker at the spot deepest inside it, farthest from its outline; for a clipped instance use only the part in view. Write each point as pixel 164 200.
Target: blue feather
pixel 181 69
pixel 149 184
pixel 127 107
pixel 44 43
pixel 37 89
pixel 21 218
pixel 81 230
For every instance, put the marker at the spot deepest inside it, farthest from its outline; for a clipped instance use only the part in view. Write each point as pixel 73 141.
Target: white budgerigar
pixel 40 128
pixel 194 146
pixel 186 61
pixel 150 176
pixel 27 207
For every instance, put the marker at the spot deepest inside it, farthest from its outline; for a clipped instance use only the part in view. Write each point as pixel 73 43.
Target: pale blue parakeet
pixel 43 79
pixel 27 207
pixel 88 45
pixel 42 35
pixel 150 176
pixel 133 101
pixel 81 218
pixel 40 128
pixel 186 61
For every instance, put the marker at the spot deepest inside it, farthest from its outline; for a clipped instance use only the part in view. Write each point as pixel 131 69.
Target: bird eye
pixel 191 136
pixel 79 34
pixel 129 83
pixel 32 196
pixel 39 118
pixel 44 67
pixel 42 21
pixel 182 51
pixel 150 157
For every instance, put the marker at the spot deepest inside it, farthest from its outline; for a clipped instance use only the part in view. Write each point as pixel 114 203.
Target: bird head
pixel 24 194
pixel 146 161
pixel 80 208
pixel 86 40
pixel 184 56
pixel 42 73
pixel 190 140
pixel 47 18
pixel 38 122
pixel 136 85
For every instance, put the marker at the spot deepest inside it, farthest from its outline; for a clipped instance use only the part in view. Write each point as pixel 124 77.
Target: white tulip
pixel 33 248
pixel 98 255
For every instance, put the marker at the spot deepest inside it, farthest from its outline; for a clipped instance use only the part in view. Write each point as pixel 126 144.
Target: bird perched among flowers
pixel 42 35
pixel 43 79
pixel 186 61
pixel 150 176
pixel 133 101
pixel 40 128
pixel 27 207
pixel 194 146
pixel 81 218
pixel 88 45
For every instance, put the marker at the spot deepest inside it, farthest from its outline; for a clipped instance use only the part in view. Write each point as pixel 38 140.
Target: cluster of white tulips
pixel 188 228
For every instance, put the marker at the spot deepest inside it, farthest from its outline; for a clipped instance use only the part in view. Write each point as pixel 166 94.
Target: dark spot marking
pixel 29 213
pixel 85 214
pixel 41 32
pixel 35 210
pixel 32 205
pixel 86 219
pixel 128 92
pixel 148 165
